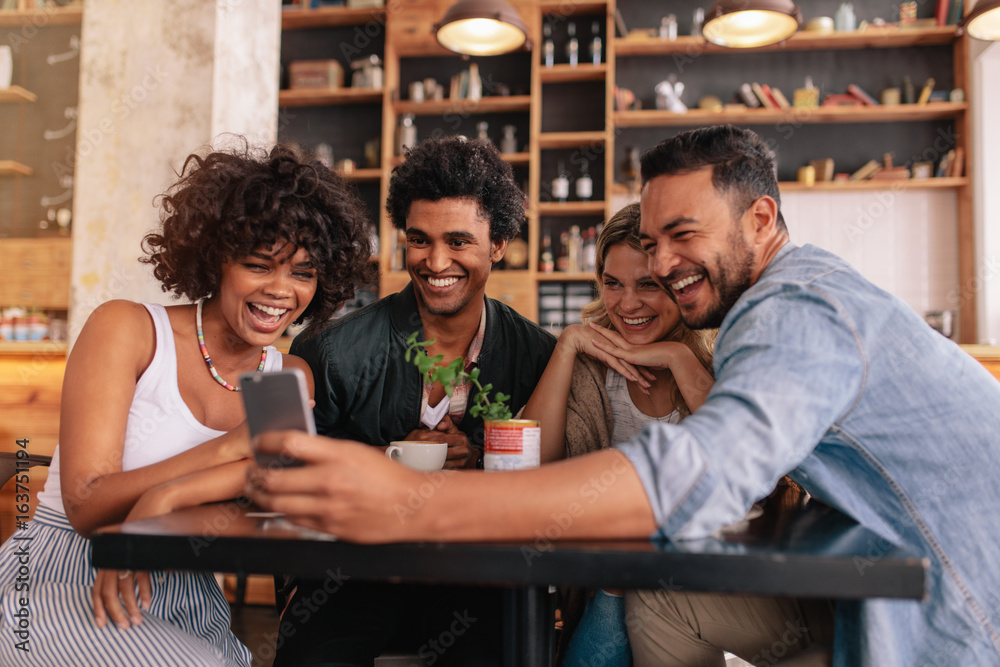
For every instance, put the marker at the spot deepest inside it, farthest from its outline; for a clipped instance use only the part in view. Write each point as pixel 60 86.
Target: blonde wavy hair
pixel 623 229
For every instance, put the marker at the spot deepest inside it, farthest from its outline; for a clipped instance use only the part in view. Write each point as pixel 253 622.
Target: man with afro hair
pixel 458 205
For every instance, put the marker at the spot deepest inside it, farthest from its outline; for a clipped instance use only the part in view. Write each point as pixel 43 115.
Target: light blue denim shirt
pixel 827 378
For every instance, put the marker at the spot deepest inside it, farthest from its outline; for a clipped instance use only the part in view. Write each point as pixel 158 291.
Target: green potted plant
pixel 509 443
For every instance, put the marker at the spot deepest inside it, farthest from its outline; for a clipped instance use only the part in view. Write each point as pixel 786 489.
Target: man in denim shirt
pixel 819 375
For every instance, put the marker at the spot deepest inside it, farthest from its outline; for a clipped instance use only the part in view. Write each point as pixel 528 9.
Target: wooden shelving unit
pixel 516 159
pixel 571 139
pixel 17 94
pixel 13 168
pixel 569 208
pixel 329 17
pixel 41 17
pixel 876 184
pixel 803 115
pixel 408 36
pixel 872 38
pixel 310 97
pixel 362 175
pixel 567 73
pixel 33 348
pixel 564 277
pixel 509 104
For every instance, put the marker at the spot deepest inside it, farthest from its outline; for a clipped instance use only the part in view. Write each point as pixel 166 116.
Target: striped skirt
pixel 47 615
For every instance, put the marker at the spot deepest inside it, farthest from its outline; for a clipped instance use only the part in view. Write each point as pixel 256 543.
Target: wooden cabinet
pixel 873 59
pixel 568 115
pixel 35 273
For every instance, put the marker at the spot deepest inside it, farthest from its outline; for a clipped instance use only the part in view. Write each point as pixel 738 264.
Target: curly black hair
pixel 460 168
pixel 228 204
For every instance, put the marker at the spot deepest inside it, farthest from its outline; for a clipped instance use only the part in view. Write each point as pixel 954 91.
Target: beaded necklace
pixel 208 359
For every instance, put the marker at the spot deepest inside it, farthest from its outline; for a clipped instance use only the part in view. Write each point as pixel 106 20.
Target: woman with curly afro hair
pixel 152 420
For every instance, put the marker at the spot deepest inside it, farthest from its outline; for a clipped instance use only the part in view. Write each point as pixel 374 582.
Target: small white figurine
pixel 668 95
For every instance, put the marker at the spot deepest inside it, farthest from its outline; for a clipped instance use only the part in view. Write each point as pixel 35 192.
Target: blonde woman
pixel 589 399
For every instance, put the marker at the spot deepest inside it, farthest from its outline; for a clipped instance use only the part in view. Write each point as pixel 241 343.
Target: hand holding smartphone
pixel 277 401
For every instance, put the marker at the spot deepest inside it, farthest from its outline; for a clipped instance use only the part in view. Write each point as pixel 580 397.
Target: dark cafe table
pixel 806 551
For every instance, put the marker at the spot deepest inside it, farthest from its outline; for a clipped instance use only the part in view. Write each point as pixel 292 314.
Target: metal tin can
pixel 512 444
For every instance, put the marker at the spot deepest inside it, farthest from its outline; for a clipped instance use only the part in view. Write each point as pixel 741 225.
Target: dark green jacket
pixel 367 391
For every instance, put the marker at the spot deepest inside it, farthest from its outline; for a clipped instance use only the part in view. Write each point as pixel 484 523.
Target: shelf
pixel 563 277
pixel 366 175
pixel 875 184
pixel 516 159
pixel 33 348
pixel 795 116
pixel 872 38
pixel 508 104
pixel 41 17
pixel 571 208
pixel 10 168
pixel 17 94
pixel 569 73
pixel 424 47
pixel 327 17
pixel 570 139
pixel 316 97
pixel 563 8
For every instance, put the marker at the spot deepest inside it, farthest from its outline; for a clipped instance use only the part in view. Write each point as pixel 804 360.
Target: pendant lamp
pixel 983 22
pixel 481 28
pixel 745 24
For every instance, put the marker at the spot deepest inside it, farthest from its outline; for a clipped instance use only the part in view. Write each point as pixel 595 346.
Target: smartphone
pixel 277 401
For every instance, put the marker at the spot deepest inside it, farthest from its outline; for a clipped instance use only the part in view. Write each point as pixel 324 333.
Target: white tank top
pixel 160 424
pixel 627 419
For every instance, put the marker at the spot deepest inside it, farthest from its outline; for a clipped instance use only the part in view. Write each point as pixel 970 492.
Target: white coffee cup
pixel 423 456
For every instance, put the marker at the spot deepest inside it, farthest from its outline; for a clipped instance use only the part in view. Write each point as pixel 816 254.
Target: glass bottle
pixel 575 250
pixel 560 184
pixel 562 261
pixel 509 142
pixel 697 21
pixel 584 185
pixel 590 250
pixel 482 130
pixel 595 43
pixel 572 46
pixel 668 27
pixel 547 262
pixel 406 134
pixel 548 46
pixel 475 83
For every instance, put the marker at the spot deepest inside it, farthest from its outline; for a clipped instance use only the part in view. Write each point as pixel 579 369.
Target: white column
pixel 159 80
pixel 986 100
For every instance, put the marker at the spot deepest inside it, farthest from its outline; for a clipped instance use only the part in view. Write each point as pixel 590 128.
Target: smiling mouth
pixel 442 282
pixel 636 321
pixel 683 287
pixel 266 314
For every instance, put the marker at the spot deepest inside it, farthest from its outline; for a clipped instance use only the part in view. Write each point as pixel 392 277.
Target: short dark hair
pixel 228 203
pixel 454 167
pixel 741 162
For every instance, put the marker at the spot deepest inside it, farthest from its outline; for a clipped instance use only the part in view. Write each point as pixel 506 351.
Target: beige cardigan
pixel 588 411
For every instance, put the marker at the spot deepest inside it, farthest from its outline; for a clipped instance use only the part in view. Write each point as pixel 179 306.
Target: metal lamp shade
pixel 481 28
pixel 745 24
pixel 983 22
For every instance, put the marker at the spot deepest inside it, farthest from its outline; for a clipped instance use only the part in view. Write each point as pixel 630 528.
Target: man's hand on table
pixel 345 488
pixel 460 454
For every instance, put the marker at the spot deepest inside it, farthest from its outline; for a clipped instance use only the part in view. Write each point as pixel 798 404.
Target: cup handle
pixel 393 452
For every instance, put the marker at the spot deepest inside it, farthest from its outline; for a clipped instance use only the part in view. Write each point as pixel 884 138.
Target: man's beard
pixel 733 278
